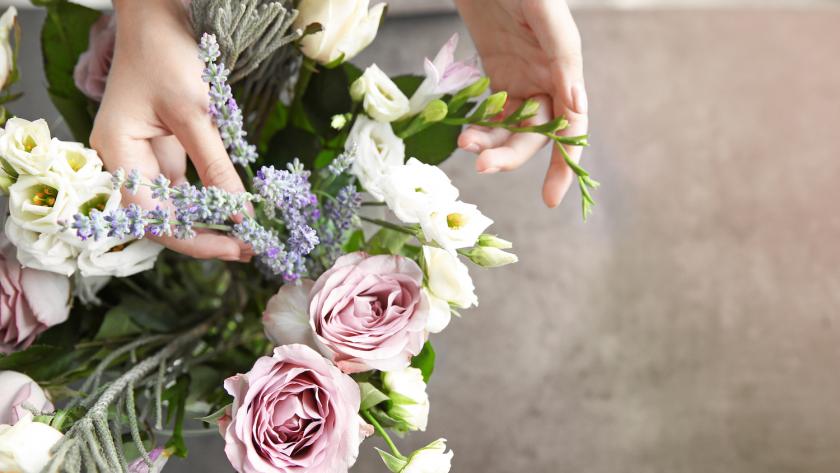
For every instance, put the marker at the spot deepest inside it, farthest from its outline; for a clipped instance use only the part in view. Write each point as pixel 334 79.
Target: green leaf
pixel 276 121
pixel 371 396
pixel 354 242
pixel 434 144
pixel 117 324
pixel 425 361
pixel 408 83
pixel 177 397
pixel 156 315
pixel 64 38
pixel 327 94
pixel 45 363
pixel 291 143
pixel 387 242
pixel 214 417
pixel 394 464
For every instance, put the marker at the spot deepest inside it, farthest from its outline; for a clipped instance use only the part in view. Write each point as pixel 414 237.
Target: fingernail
pixel 489 171
pixel 580 103
pixel 472 148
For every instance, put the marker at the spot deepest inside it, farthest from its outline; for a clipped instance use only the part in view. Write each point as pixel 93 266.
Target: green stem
pixel 382 433
pixel 373 204
pixel 388 225
pixel 297 115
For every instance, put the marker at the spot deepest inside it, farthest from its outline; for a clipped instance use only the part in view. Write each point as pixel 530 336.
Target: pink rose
pixel 366 311
pixel 18 393
pixel 31 300
pixel 91 72
pixel 293 412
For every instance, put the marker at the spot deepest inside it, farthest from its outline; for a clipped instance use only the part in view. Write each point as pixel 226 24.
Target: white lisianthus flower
pixel 448 278
pixel 347 27
pixel 432 458
pixel 87 288
pixel 7 22
pixel 25 446
pixel 377 150
pixel 415 190
pixel 75 162
pixel 440 314
pixel 25 146
pixel 410 403
pixel 454 225
pixel 39 203
pixel 96 192
pixel 380 96
pixel 119 258
pixel 286 316
pixel 44 251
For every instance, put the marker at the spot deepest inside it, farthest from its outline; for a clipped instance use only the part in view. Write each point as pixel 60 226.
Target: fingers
pixel 558 36
pixel 171 158
pixel 200 138
pixel 118 150
pixel 476 139
pixel 518 148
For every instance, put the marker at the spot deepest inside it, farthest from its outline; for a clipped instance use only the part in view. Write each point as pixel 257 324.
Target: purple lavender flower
pixel 343 161
pixel 118 223
pixel 223 108
pixel 136 221
pixel 118 178
pixel 160 188
pixel 132 183
pixel 159 222
pixel 82 226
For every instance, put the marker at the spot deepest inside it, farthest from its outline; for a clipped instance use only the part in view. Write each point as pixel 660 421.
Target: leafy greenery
pixel 425 361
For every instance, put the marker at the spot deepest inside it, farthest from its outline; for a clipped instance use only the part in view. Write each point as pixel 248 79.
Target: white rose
pixel 44 251
pixel 454 225
pixel 75 162
pixel 415 190
pixel 25 146
pixel 25 446
pixel 377 149
pixel 39 203
pixel 119 258
pixel 407 391
pixel 430 459
pixel 381 97
pixel 7 22
pixel 286 316
pixel 440 314
pixel 448 278
pixel 347 27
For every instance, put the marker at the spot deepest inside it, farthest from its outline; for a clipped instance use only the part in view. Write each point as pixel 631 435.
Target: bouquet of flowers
pixel 113 349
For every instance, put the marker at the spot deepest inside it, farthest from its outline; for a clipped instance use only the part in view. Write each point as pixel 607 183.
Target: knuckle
pixel 218 172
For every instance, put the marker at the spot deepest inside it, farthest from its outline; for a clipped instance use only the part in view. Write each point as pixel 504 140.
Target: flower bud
pixel 495 104
pixel 476 88
pixel 493 241
pixel 410 403
pixel 489 257
pixel 432 458
pixel 337 122
pixel 435 111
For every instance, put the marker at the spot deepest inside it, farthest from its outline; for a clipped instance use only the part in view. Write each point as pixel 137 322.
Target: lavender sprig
pixel 223 108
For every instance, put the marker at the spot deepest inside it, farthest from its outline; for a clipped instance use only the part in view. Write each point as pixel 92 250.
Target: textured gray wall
pixel 692 325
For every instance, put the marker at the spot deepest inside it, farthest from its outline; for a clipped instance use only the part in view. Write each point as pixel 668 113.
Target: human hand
pixel 531 49
pixel 155 107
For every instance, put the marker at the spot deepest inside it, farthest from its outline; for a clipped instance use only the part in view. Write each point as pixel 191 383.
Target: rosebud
pixel 489 257
pixel 435 111
pixel 493 241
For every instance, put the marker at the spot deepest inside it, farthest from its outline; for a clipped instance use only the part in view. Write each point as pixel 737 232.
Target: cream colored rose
pixel 25 146
pixel 25 446
pixel 347 27
pixel 7 22
pixel 448 278
pixel 380 96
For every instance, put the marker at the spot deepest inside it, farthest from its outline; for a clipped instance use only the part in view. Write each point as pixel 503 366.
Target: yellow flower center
pixel 45 197
pixel 455 221
pixel 29 143
pixel 75 160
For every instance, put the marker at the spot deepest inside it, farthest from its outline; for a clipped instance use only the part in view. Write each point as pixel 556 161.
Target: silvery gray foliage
pixel 248 31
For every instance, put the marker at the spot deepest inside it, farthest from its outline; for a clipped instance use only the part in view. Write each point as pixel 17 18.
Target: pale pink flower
pixel 366 311
pixel 31 300
pixel 18 394
pixel 444 76
pixel 293 412
pixel 91 71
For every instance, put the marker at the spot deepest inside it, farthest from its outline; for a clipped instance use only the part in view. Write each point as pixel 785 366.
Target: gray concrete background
pixel 692 325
